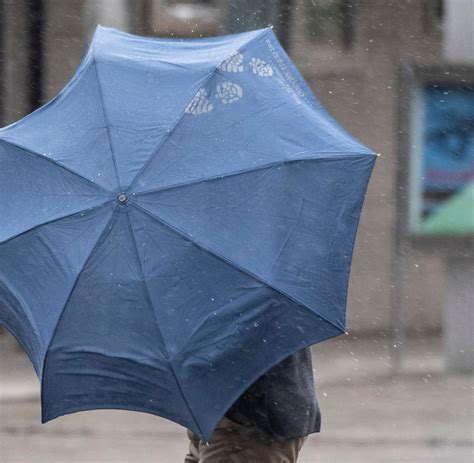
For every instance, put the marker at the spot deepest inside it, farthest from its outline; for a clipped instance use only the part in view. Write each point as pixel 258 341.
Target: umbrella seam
pixel 38 156
pixel 234 265
pixel 184 349
pixel 262 167
pixel 288 236
pixel 158 323
pixel 145 283
pixel 97 206
pixel 99 239
pixel 184 397
pixel 138 360
pixel 102 105
pixel 182 114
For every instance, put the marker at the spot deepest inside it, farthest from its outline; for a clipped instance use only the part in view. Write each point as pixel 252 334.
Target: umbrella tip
pixel 378 154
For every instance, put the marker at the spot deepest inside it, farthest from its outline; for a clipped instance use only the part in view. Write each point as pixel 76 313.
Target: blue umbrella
pixel 179 219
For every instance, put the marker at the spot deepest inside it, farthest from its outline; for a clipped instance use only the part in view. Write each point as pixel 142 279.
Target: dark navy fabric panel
pixel 109 310
pixel 77 380
pixel 39 268
pixel 292 225
pixel 231 350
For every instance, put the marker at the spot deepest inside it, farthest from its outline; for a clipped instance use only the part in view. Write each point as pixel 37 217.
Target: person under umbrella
pixel 270 422
pixel 177 221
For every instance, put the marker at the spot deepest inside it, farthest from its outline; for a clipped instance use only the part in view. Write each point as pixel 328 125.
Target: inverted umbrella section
pixel 161 250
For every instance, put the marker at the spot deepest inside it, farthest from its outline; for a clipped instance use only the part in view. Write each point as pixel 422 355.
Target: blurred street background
pixel 398 75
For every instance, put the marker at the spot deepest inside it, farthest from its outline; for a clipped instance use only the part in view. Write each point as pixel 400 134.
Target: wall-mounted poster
pixel 441 152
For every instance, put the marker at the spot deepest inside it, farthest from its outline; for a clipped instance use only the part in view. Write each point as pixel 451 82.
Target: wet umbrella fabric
pixel 180 218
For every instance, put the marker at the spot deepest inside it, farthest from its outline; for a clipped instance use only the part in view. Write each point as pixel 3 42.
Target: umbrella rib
pixel 148 295
pixel 144 281
pixel 343 156
pixel 233 264
pixel 161 143
pixel 108 226
pixel 182 114
pixel 97 206
pixel 38 156
pixel 107 125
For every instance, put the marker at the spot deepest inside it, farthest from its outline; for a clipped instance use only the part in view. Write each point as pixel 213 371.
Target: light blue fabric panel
pixel 246 116
pixel 71 129
pixel 146 85
pixel 43 191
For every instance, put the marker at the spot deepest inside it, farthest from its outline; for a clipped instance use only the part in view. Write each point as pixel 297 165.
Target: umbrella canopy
pixel 180 218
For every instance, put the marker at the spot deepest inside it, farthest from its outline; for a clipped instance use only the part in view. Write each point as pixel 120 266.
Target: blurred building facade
pixel 350 53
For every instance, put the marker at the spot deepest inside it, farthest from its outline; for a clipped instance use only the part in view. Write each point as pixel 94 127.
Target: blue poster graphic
pixel 448 145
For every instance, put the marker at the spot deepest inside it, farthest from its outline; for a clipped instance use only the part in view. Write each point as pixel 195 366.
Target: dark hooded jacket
pixel 282 403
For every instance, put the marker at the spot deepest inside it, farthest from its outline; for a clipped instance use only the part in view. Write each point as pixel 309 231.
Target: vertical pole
pixel 400 244
pixel 396 321
pixel 458 315
pixel 35 52
pixel 284 29
pixel 2 77
pixel 347 9
pixel 2 64
pixel 138 13
pixel 145 17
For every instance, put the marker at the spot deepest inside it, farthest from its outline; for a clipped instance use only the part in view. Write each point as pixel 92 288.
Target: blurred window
pixel 433 16
pixel 188 18
pixel 330 21
pixel 192 2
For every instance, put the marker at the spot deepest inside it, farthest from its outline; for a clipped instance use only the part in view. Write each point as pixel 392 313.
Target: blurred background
pixel 399 75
